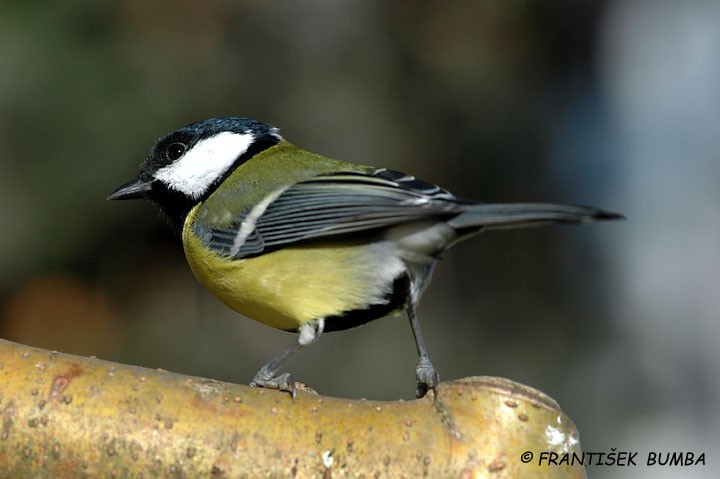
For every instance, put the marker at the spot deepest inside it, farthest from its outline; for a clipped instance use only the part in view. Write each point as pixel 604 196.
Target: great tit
pixel 306 243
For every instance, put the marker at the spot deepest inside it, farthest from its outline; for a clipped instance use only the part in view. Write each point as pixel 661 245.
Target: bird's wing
pixel 327 205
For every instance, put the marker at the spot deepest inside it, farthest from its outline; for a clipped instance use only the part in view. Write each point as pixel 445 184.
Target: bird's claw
pixel 283 382
pixel 427 377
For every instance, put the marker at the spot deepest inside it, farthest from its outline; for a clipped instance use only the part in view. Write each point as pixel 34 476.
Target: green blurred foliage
pixel 469 95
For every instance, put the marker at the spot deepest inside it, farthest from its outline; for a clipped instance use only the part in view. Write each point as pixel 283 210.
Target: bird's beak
pixel 132 190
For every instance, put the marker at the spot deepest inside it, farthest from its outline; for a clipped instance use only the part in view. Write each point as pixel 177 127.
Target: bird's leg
pixel 427 377
pixel 267 376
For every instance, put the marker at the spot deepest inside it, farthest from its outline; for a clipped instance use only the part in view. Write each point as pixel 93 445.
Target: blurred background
pixel 609 103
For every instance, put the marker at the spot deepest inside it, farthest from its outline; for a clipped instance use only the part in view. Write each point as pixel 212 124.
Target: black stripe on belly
pixel 397 299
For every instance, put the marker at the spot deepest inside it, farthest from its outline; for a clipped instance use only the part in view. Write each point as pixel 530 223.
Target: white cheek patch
pixel 204 163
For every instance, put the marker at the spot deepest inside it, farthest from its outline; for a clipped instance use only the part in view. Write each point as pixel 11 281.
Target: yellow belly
pixel 292 286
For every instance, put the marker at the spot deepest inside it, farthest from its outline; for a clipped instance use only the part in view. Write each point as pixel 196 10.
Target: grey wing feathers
pixel 333 204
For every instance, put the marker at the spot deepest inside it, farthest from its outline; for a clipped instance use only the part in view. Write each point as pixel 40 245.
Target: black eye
pixel 175 151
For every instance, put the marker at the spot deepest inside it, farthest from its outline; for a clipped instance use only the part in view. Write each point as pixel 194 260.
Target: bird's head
pixel 187 165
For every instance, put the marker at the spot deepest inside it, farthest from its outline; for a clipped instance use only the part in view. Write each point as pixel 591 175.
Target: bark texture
pixel 64 416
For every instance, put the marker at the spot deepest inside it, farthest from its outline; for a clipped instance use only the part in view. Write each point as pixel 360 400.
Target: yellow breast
pixel 292 286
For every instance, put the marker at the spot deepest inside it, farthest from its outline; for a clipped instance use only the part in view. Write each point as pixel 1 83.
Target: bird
pixel 309 244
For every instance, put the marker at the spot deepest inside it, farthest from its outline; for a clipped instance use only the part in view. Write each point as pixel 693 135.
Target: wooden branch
pixel 64 416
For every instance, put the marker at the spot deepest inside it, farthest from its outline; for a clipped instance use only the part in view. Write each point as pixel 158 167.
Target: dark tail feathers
pixel 517 215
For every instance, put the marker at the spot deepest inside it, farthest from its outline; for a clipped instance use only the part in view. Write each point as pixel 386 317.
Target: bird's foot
pixel 267 379
pixel 427 377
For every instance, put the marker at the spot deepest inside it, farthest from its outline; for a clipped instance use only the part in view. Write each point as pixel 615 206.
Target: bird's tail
pixel 518 215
